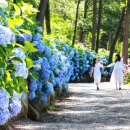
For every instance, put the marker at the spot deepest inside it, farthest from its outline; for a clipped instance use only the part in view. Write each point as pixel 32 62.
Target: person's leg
pixel 116 86
pixel 97 86
pixel 119 86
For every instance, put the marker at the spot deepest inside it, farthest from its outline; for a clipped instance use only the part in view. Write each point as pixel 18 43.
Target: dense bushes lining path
pixel 86 109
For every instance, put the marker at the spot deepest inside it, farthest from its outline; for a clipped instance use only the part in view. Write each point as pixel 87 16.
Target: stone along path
pixel 86 109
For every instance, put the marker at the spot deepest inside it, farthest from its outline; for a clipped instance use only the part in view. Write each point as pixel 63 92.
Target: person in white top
pixel 96 72
pixel 117 74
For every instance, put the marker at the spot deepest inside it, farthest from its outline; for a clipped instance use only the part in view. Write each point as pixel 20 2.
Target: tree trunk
pixel 126 34
pixel 116 36
pixel 77 12
pixel 109 41
pixel 99 24
pixel 41 13
pixel 82 32
pixel 82 36
pixel 94 24
pixel 47 18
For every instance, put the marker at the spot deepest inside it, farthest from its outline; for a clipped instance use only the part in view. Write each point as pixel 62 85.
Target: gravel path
pixel 86 109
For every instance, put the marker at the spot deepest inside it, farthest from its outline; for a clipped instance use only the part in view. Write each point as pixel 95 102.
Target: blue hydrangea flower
pixel 18 52
pixel 4 116
pixel 53 63
pixel 21 70
pixel 47 51
pixel 39 85
pixel 45 75
pixel 45 64
pixel 44 98
pixel 37 37
pixel 15 105
pixel 32 85
pixel 40 46
pixel 38 64
pixel 49 88
pixel 4 99
pixel 40 29
pixel 31 95
pixel 25 37
pixel 58 42
pixel 6 35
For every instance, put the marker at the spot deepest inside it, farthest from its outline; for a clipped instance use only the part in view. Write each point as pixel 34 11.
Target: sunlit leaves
pixel 29 47
pixel 17 9
pixel 29 62
pixel 25 31
pixel 18 20
pixel 11 23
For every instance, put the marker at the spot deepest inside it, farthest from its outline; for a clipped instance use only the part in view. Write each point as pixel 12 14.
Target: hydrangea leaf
pixel 16 44
pixel 2 65
pixel 18 21
pixel 11 23
pixel 34 75
pixel 10 67
pixel 29 62
pixel 8 77
pixel 17 9
pixel 25 31
pixel 17 59
pixel 29 20
pixel 29 47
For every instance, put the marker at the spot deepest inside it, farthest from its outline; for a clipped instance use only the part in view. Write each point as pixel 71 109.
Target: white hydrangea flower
pixel 3 4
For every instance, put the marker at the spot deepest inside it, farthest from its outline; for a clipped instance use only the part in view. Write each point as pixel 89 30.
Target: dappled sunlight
pixel 87 109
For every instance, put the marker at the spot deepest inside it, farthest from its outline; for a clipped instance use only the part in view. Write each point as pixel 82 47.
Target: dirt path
pixel 87 109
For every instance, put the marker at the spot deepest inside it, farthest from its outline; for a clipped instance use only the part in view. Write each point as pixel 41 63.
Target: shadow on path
pixel 86 109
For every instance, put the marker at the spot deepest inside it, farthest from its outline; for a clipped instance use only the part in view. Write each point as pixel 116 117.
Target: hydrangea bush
pixel 47 66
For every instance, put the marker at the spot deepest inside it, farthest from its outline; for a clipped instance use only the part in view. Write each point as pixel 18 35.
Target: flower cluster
pixel 24 37
pixel 9 108
pixel 4 103
pixel 54 69
pixel 15 105
pixel 6 35
pixel 20 68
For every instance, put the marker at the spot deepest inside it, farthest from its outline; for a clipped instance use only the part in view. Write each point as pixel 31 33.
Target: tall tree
pixel 126 32
pixel 41 13
pixel 94 21
pixel 82 31
pixel 76 20
pixel 116 36
pixel 99 24
pixel 47 18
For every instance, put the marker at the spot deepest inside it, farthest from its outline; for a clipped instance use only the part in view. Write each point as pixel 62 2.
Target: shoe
pixel 97 88
pixel 119 88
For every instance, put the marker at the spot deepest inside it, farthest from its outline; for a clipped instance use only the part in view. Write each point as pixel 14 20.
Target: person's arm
pixel 101 66
pixel 91 74
pixel 110 65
